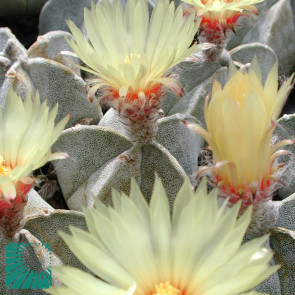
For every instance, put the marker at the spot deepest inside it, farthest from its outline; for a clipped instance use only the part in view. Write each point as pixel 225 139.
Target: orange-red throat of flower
pixel 250 195
pixel 136 105
pixel 11 208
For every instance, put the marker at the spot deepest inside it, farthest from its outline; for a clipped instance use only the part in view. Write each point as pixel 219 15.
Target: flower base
pixel 11 212
pixel 215 36
pixel 264 217
pixel 143 129
pixel 138 113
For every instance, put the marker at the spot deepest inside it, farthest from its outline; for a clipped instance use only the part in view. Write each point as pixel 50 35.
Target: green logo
pixel 23 269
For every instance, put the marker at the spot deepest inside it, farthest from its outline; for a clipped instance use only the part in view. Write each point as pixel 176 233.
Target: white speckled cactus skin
pixel 109 159
pixel 102 157
pixel 42 69
pixel 41 223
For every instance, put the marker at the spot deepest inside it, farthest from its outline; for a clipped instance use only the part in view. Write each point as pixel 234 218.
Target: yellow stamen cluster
pixel 5 170
pixel 166 289
pixel 128 58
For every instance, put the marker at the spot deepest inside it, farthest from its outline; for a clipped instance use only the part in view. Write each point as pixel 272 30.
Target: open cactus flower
pixel 218 20
pixel 132 56
pixel 27 133
pixel 134 248
pixel 240 119
pixel 176 172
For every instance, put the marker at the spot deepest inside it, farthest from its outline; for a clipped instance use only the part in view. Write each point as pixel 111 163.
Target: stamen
pixel 166 289
pixel 128 58
pixel 5 170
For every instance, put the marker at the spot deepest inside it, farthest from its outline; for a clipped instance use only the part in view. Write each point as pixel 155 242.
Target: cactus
pixel 110 159
pixel 42 68
pixel 268 27
pixel 134 241
pixel 40 228
pixel 286 128
pixel 108 148
pixel 27 133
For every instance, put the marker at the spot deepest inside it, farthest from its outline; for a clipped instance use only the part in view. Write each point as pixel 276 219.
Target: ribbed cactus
pixel 109 159
pixel 43 68
pixel 141 133
pixel 40 228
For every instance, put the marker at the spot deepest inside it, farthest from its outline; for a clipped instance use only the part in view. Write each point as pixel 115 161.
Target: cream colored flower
pixel 240 120
pixel 132 55
pixel 27 131
pixel 138 249
pixel 222 14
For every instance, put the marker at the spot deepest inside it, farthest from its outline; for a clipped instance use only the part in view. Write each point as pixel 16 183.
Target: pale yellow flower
pixel 138 249
pixel 132 55
pixel 27 131
pixel 240 119
pixel 222 14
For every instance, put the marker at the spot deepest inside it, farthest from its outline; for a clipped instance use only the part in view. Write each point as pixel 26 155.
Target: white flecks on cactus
pixel 266 57
pixel 282 241
pixel 50 20
pixel 11 50
pixel 276 29
pixel 9 45
pixel 286 213
pixel 55 83
pixel 264 217
pixel 89 148
pixel 285 129
pixel 114 161
pixel 193 101
pixel 51 46
pixel 191 73
pixel 272 284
